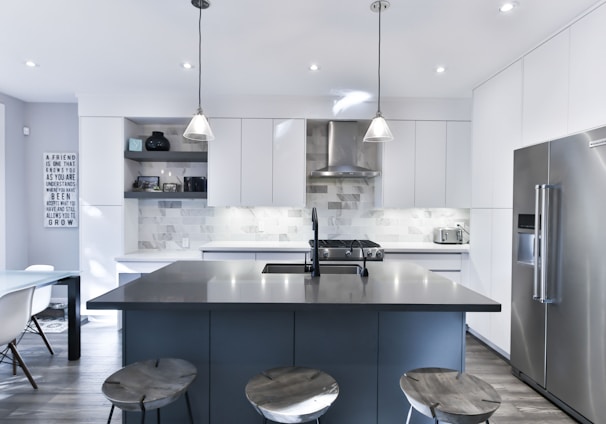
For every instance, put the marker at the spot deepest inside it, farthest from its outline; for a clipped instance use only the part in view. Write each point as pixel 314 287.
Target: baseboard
pixel 497 351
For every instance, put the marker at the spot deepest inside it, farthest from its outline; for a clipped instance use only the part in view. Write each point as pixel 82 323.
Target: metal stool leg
pixel 409 414
pixel 191 417
pixel 158 415
pixel 111 411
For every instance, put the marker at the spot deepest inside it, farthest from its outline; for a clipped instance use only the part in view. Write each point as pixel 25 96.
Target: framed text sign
pixel 60 190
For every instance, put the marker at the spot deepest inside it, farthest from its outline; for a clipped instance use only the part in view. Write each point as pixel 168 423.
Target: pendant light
pixel 378 131
pixel 198 128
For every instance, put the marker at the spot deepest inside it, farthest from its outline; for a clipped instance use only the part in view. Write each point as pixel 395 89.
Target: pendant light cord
pixel 379 67
pixel 200 60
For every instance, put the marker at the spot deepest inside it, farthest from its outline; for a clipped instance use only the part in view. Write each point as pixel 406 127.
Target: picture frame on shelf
pixel 135 145
pixel 170 187
pixel 148 183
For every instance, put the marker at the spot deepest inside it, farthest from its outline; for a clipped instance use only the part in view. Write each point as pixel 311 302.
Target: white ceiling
pixel 264 47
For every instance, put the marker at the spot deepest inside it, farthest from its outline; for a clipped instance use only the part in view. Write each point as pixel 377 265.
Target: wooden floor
pixel 521 404
pixel 70 392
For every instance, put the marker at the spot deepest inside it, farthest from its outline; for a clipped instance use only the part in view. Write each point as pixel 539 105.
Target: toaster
pixel 448 235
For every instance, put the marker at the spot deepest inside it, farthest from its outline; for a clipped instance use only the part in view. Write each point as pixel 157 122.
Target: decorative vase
pixel 157 142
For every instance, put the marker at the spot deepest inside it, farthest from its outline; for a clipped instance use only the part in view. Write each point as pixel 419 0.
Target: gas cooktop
pixel 348 250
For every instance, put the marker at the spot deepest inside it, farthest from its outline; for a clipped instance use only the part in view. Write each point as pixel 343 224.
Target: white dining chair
pixel 41 300
pixel 15 311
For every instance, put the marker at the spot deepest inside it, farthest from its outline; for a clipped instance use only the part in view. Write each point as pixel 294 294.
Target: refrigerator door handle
pixel 541 254
pixel 537 240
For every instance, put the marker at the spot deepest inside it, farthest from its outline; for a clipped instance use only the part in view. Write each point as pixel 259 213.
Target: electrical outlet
pixel 185 242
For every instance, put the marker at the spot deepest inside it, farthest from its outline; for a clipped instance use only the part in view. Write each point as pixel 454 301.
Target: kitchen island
pixel 232 321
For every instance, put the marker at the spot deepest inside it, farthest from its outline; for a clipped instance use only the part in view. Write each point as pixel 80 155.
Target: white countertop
pixel 276 246
pixel 423 247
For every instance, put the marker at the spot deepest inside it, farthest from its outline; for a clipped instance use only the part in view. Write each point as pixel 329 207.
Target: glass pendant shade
pixel 198 128
pixel 378 131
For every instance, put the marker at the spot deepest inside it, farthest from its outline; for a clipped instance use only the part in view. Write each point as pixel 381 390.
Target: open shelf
pixel 167 156
pixel 164 195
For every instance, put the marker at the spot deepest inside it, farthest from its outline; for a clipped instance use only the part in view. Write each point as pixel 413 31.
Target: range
pixel 348 250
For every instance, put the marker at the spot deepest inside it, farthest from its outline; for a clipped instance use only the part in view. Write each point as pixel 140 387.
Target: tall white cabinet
pixel 497 132
pixel 101 200
pixel 587 69
pixel 555 90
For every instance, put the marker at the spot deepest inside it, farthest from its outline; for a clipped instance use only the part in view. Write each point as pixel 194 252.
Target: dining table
pixel 13 280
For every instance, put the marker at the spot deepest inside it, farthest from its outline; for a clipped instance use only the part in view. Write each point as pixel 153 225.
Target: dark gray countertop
pixel 240 285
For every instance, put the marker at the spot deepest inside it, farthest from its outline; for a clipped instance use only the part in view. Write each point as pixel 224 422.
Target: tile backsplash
pixel 164 224
pixel 346 209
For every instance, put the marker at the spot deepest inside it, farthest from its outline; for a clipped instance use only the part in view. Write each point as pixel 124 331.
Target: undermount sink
pixel 306 268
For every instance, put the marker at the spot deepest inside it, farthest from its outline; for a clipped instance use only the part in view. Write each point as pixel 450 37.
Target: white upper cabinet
pixel 257 137
pixel 224 163
pixel 546 77
pixel 427 165
pixel 458 165
pixel 496 132
pixel 588 71
pixel 257 162
pixel 398 166
pixel 102 144
pixel 289 182
pixel 430 161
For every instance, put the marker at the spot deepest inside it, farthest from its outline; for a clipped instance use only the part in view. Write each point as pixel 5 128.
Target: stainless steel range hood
pixel 342 153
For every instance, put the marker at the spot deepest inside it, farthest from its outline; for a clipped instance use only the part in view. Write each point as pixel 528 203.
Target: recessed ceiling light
pixel 507 7
pixel 440 69
pixel 30 63
pixel 314 67
pixel 187 65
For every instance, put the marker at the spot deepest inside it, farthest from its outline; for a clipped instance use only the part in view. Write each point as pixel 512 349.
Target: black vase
pixel 157 142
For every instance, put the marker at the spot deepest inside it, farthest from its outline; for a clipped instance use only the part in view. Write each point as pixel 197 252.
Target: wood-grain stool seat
pixel 150 384
pixel 292 394
pixel 449 396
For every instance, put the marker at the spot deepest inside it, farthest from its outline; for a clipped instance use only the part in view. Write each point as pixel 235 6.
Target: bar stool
pixel 449 395
pixel 149 385
pixel 292 394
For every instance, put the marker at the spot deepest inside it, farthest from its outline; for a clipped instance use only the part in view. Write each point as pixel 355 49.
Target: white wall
pixel 14 181
pixel 53 128
pixel 24 240
pixel 2 190
pixel 155 106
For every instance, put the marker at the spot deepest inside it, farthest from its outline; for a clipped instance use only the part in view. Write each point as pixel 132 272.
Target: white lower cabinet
pixel 255 256
pixel 100 243
pixel 490 273
pixel 449 265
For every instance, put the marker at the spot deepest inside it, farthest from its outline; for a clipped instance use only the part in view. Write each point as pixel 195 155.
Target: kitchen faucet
pixel 364 272
pixel 315 267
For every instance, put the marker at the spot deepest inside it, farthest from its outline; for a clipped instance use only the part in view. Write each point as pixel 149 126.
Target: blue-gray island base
pixel 232 322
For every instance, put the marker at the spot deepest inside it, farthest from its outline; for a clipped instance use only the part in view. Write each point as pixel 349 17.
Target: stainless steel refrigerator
pixel 558 316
